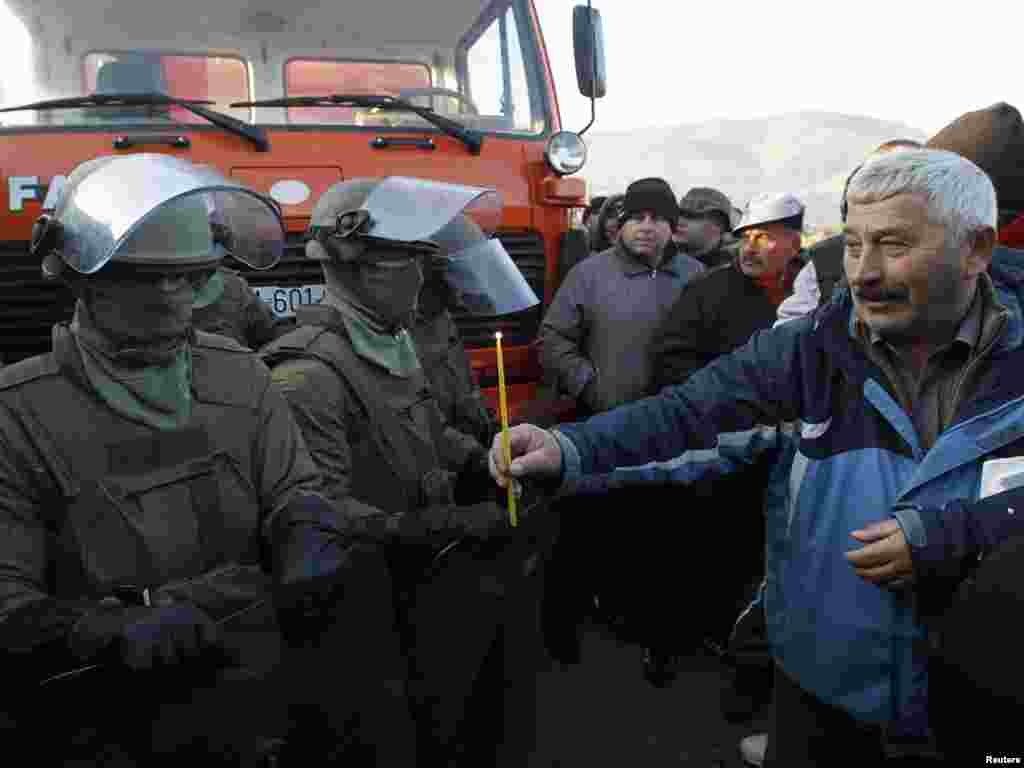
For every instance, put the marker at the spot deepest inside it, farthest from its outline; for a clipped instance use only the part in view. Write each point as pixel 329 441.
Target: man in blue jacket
pixel 893 398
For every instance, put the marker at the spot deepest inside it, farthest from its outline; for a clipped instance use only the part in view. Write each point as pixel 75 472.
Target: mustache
pixel 881 294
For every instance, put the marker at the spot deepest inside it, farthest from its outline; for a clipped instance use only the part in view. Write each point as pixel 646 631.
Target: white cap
pixel 765 209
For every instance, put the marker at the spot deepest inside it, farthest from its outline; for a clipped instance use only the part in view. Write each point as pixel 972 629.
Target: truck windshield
pixel 478 63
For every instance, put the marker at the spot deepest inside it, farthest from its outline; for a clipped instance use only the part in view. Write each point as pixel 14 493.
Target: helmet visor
pixel 486 282
pixel 105 204
pixel 247 226
pixel 413 210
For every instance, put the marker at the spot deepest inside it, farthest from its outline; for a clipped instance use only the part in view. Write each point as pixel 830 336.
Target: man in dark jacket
pixel 596 347
pixel 723 308
pixel 705 217
pixel 713 315
pixel 596 336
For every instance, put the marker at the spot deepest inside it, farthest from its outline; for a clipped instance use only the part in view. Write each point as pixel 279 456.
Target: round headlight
pixel 566 153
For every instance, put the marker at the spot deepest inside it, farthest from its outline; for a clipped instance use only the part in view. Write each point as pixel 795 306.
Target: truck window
pixel 215 78
pixel 494 73
pixel 478 62
pixel 317 77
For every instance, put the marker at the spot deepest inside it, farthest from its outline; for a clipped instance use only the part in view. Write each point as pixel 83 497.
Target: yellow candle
pixel 503 407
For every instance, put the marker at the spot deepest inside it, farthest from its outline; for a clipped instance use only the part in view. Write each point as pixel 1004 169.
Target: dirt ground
pixel 602 712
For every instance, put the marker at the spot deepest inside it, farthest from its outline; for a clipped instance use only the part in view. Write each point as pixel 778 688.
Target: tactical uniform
pixel 465 615
pixel 446 365
pixel 238 313
pixel 152 510
pixel 91 500
pixel 344 433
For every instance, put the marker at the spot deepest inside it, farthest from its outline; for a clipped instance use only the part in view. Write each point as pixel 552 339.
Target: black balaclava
pixel 384 290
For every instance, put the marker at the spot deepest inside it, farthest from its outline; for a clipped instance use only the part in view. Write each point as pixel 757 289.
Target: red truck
pixel 290 98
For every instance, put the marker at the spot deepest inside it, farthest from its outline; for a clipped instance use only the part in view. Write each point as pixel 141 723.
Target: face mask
pixel 142 310
pixel 390 289
pixel 436 295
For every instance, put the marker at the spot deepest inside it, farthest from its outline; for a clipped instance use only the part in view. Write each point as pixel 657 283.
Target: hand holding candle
pixel 503 407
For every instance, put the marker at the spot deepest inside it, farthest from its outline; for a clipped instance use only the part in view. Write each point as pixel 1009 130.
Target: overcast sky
pixel 673 62
pixel 687 61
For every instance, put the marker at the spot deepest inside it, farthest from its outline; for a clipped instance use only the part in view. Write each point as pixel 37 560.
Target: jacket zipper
pixel 973 364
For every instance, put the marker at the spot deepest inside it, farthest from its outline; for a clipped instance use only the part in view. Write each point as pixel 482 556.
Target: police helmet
pixel 153 211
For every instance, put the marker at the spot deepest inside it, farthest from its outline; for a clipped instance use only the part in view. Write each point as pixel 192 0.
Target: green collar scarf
pixel 158 395
pixel 211 292
pixel 393 351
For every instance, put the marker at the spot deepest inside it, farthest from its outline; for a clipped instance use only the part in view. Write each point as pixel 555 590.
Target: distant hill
pixel 807 153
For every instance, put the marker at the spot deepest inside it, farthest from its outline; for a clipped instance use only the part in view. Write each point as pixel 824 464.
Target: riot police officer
pixel 353 376
pixel 150 476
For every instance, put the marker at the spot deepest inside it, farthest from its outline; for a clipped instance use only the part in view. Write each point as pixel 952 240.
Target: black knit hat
pixel 992 139
pixel 650 194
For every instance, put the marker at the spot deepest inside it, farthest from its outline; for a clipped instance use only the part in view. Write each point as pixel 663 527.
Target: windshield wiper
pixel 251 132
pixel 472 139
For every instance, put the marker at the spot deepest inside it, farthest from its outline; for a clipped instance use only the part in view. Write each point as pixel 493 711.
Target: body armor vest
pixel 392 448
pixel 446 365
pixel 128 505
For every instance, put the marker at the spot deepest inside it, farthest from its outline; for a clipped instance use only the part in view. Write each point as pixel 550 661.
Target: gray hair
pixel 960 195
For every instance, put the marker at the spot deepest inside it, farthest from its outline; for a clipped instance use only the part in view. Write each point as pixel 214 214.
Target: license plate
pixel 283 301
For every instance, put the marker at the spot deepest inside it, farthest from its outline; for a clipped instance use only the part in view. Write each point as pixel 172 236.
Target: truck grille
pixel 30 305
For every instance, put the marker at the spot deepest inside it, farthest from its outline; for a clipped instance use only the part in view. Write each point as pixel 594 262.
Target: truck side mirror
pixel 588 46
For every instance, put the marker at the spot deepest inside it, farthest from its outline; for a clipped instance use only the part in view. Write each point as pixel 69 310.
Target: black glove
pixel 474 483
pixel 311 552
pixel 146 636
pixel 482 520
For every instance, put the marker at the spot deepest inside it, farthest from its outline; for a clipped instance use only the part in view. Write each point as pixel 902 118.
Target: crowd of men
pixel 246 541
pixel 835 417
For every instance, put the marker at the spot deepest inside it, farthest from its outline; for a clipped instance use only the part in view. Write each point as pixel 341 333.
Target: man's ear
pixel 978 250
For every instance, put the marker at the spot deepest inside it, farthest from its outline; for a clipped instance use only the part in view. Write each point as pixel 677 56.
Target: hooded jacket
pixel 845 455
pixel 598 241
